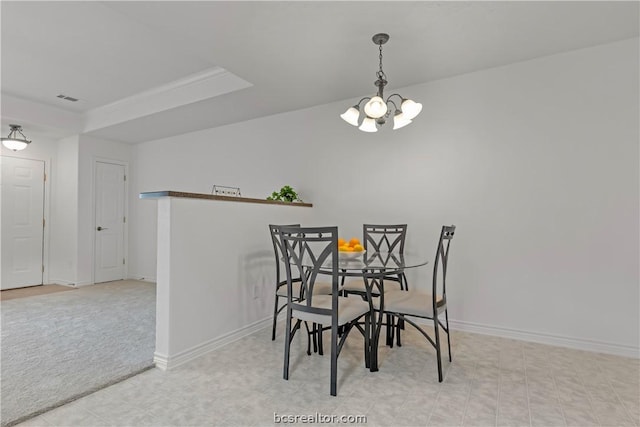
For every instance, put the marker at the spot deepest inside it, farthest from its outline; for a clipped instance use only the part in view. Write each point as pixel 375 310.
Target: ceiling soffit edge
pixel 207 84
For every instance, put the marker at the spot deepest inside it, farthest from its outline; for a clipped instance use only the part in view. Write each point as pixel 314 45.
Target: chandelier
pixel 13 141
pixel 376 109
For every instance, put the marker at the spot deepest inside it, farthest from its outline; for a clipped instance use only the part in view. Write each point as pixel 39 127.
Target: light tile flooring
pixel 492 381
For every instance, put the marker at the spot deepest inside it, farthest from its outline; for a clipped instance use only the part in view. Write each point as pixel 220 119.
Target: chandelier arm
pixel 363 99
pixel 396 94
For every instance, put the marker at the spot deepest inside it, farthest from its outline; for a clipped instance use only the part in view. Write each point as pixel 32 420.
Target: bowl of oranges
pixel 350 249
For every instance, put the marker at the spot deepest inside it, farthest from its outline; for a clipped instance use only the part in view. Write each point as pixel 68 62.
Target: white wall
pixel 64 224
pixel 231 155
pixel 216 272
pixel 535 162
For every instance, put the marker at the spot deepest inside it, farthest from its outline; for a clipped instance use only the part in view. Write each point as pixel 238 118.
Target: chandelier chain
pixel 381 73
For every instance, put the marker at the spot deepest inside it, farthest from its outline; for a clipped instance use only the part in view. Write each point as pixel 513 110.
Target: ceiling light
pixel 13 141
pixel 376 109
pixel 400 120
pixel 410 108
pixel 368 125
pixel 351 115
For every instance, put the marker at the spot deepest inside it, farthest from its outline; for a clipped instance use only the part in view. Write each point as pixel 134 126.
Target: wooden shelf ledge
pixel 158 194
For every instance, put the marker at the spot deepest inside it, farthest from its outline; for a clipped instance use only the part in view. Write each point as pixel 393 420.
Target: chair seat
pixel 319 288
pixel 358 286
pixel 348 310
pixel 412 303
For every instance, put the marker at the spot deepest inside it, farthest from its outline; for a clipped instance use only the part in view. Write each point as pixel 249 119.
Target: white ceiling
pixel 294 54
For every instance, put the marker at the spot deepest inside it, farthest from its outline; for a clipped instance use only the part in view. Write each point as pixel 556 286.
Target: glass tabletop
pixel 376 261
pixel 383 261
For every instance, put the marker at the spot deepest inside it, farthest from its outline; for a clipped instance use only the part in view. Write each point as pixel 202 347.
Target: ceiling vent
pixel 68 98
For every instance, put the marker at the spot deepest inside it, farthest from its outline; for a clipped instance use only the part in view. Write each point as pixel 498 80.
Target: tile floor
pixel 491 382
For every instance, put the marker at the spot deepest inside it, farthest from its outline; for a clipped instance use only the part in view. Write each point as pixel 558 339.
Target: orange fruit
pixel 341 242
pixel 354 242
pixel 358 248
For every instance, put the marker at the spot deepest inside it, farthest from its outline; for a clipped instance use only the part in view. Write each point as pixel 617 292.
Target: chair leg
pixel 367 340
pixel 320 345
pixel 315 337
pixel 287 345
pixel 275 319
pixel 446 318
pixel 404 285
pixel 309 333
pixel 398 328
pixel 334 360
pixel 389 330
pixel 438 355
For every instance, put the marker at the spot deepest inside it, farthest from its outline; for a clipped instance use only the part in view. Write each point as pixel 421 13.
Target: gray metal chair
pixel 281 281
pixel 421 304
pixel 380 238
pixel 313 253
pixel 281 284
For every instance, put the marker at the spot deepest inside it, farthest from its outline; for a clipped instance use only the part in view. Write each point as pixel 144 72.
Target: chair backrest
pixel 278 251
pixel 311 251
pixel 442 259
pixel 384 238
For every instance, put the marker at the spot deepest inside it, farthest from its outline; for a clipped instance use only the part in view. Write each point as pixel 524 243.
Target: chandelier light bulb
pixel 400 120
pixel 376 107
pixel 410 108
pixel 368 125
pixel 351 115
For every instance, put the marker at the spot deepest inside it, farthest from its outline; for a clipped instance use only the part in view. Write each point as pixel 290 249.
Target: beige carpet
pixel 33 291
pixel 61 346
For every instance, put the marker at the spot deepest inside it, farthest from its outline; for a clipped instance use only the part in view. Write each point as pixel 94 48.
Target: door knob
pixel 101 228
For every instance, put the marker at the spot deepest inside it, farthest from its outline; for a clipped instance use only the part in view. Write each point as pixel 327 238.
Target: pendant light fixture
pixel 13 141
pixel 376 109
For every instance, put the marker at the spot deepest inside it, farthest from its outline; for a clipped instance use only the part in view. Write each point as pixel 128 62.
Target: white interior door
pixel 109 222
pixel 22 222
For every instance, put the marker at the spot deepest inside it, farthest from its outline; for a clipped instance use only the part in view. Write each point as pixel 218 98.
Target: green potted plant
pixel 286 194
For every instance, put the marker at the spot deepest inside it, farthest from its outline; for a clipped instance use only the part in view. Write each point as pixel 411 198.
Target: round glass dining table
pixel 386 263
pixel 373 268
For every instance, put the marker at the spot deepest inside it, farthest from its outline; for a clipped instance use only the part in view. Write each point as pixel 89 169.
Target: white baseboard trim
pixel 68 283
pixel 556 340
pixel 79 284
pixel 161 361
pixel 62 282
pixel 142 278
pixel 165 362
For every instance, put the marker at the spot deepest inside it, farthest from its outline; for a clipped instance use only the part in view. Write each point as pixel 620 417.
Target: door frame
pixel 46 213
pixel 125 243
